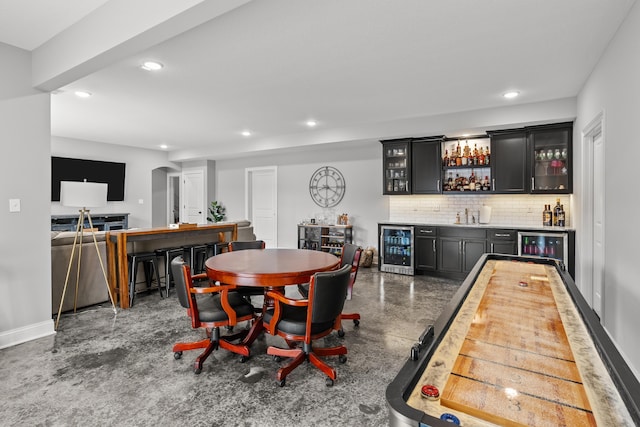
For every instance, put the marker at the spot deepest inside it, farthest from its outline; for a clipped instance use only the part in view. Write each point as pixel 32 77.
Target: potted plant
pixel 216 212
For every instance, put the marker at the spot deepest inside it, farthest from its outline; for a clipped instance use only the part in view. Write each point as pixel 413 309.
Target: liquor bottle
pixel 547 216
pixel 525 246
pixel 445 161
pixel 480 157
pixel 472 182
pixel 486 156
pixel 458 155
pixel 475 154
pixel 556 211
pixel 561 217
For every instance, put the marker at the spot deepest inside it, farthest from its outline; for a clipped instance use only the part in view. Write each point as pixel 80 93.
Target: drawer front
pixel 463 232
pixel 502 234
pixel 425 231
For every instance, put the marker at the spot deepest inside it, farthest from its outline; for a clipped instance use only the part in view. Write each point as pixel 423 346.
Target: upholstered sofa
pixel 92 288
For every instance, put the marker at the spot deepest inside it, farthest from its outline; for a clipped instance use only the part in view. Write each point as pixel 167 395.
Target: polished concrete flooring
pixel 102 369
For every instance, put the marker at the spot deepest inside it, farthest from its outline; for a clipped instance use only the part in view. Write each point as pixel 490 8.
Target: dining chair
pixel 350 256
pixel 236 245
pixel 210 307
pixel 302 321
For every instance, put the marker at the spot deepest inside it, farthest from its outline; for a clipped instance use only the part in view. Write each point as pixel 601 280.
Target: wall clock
pixel 327 186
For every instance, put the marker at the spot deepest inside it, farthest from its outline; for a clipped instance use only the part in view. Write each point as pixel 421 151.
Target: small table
pixel 271 269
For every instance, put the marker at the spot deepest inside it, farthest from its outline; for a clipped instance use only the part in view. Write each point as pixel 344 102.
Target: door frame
pixel 170 191
pixel 588 251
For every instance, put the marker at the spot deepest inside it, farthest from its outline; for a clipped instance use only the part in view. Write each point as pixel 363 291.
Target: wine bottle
pixel 556 211
pixel 561 217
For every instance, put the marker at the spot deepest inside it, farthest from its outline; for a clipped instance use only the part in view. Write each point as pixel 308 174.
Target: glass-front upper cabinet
pixel 396 159
pixel 551 154
pixel 466 164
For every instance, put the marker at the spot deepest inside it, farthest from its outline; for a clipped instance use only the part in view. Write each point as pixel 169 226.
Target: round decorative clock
pixel 327 186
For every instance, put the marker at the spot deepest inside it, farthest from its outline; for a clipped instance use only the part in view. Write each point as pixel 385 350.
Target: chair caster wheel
pixel 197 370
pixel 341 333
pixel 177 355
pixel 277 358
pixel 281 382
pixel 342 358
pixel 329 382
pixel 243 358
pixel 356 322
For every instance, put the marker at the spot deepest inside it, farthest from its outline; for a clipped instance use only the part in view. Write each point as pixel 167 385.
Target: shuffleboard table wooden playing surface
pixel 517 346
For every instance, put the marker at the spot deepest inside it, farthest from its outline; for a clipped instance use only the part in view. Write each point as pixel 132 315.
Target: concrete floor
pixel 106 370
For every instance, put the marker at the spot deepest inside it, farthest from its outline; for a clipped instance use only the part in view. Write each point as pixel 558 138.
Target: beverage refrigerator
pixel 545 244
pixel 396 249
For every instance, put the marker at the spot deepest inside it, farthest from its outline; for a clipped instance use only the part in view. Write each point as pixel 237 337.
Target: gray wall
pixel 361 165
pixel 614 88
pixel 139 181
pixel 25 170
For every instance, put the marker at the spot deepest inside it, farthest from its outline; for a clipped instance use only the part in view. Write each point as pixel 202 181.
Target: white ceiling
pixel 268 66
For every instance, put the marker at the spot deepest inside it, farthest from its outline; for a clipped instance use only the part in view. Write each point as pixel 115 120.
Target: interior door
pixel 262 203
pixel 173 198
pixel 194 210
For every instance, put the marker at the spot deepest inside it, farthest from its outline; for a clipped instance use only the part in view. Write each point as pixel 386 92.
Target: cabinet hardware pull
pixel 426 231
pixel 493 184
pixel 492 247
pixel 502 235
pixel 533 183
pixel 434 245
pixel 438 185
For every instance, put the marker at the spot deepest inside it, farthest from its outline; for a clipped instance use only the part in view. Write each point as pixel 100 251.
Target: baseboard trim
pixel 26 333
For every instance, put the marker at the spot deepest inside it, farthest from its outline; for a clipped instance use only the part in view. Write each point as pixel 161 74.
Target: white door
pixel 193 208
pixel 598 222
pixel 262 203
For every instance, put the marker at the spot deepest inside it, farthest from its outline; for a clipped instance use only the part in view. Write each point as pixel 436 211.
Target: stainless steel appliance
pixel 396 249
pixel 549 245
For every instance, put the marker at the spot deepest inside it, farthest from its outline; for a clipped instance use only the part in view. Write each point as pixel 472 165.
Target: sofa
pixel 92 288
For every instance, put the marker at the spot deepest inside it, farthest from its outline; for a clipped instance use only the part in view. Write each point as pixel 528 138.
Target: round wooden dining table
pixel 271 269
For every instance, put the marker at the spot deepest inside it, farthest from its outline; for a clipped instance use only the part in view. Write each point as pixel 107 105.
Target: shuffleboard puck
pixel 450 418
pixel 430 392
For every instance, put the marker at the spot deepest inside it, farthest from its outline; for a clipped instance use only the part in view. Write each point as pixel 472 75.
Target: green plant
pixel 216 212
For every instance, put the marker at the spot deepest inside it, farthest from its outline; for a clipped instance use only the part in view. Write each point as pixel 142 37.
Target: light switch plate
pixel 14 205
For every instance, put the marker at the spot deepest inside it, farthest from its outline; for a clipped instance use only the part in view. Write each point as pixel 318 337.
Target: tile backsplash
pixel 518 210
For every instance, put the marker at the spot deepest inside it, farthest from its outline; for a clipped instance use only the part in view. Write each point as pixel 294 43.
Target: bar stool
pixel 195 256
pixel 149 262
pixel 168 254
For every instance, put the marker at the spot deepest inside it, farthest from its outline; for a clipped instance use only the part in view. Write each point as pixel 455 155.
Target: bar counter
pixel 122 242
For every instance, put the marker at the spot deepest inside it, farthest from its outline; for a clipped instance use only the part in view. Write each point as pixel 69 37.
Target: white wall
pixel 361 165
pixel 25 170
pixel 140 164
pixel 614 88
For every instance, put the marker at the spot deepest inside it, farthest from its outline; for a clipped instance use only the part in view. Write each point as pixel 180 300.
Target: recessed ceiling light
pixel 151 66
pixel 83 94
pixel 511 94
pixel 311 123
pixel 164 146
pixel 246 133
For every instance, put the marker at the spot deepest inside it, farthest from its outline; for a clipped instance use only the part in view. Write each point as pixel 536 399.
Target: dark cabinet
pixel 426 166
pixel 460 248
pixel 509 162
pixel 503 241
pixel 396 166
pixel 550 151
pixel 425 248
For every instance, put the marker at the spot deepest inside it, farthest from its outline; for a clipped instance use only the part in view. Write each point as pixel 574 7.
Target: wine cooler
pixel 548 245
pixel 396 249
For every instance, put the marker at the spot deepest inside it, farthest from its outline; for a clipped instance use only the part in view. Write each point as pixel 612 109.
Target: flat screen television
pixel 68 169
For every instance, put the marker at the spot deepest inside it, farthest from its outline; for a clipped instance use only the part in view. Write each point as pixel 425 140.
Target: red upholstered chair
pixel 303 321
pixel 350 256
pixel 210 308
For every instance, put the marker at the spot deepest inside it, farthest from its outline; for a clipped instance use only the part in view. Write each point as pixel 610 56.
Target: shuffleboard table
pixel 517 346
